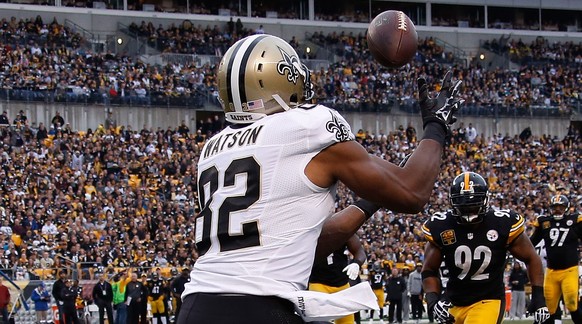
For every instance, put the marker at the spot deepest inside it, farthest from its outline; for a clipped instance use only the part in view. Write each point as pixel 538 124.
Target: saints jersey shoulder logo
pixel 336 127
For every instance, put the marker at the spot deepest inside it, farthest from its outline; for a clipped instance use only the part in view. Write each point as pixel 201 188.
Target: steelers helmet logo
pixel 569 222
pixel 492 235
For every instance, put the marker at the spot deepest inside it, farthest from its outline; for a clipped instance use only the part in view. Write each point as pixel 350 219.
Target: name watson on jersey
pixel 248 136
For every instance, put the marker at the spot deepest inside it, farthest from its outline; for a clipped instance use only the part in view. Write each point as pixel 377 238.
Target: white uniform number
pixel 464 258
pixel 558 236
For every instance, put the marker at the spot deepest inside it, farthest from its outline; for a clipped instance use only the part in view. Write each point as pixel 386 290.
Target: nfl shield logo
pixel 470 236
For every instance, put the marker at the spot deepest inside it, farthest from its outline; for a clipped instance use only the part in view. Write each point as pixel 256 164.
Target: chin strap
pixel 281 102
pixel 243 117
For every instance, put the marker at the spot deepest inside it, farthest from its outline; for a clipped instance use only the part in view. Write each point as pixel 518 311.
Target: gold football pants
pixel 561 282
pixel 488 311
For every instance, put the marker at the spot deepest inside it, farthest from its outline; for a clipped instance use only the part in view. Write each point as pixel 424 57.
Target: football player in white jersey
pixel 266 184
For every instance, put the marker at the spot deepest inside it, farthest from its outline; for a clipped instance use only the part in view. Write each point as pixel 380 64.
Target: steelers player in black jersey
pixel 377 279
pixel 332 274
pixel 561 232
pixel 473 240
pixel 156 298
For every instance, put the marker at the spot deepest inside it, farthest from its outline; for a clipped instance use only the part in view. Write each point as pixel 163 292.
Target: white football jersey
pixel 261 216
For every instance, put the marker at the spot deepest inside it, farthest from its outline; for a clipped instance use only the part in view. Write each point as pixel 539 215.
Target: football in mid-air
pixel 392 38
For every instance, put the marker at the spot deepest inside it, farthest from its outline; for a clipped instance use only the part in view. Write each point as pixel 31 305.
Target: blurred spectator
pixel 59 287
pixel 58 121
pixel 471 133
pixel 4 118
pixel 69 296
pixel 21 120
pixel 395 286
pixel 517 281
pixel 416 294
pixel 405 295
pixel 49 228
pixel 239 28
pixel 177 288
pixel 183 129
pixel 103 298
pixel 41 298
pixel 143 305
pixel 110 122
pixel 120 282
pixel 411 133
pixel 4 300
pixel 135 296
pixel 230 26
pixel 525 135
pixel 41 133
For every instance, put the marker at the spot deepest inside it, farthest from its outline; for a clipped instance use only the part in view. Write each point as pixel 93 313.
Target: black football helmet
pixel 559 204
pixel 469 196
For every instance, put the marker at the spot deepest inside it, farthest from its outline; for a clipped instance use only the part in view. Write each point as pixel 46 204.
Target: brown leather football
pixel 392 38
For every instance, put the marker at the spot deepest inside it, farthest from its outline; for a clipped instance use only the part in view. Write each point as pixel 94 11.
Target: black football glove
pixel 441 109
pixel 537 306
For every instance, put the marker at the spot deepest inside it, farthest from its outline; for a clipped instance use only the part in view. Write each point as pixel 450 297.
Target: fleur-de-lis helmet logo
pixel 293 69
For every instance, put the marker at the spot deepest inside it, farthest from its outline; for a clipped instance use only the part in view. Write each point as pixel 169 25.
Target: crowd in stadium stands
pixel 353 83
pixel 539 50
pixel 189 39
pixel 108 198
pixel 36 33
pixel 356 82
pixel 66 73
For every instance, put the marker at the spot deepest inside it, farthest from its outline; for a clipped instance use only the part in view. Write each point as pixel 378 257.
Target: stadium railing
pixel 86 271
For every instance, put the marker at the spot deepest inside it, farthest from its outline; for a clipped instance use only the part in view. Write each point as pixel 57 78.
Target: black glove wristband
pixel 537 297
pixel 435 131
pixel 431 299
pixel 369 208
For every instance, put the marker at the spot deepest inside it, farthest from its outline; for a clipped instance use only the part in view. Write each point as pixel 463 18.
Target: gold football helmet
pixel 261 75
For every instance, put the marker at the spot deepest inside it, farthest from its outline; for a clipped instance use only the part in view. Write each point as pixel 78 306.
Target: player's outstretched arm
pixel 536 235
pixel 357 250
pixel 401 189
pixel 523 249
pixel 355 247
pixel 342 226
pixel 431 281
pixel 431 284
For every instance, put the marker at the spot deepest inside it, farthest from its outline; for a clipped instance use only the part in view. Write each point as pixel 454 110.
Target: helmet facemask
pixel 559 205
pixel 469 197
pixel 470 209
